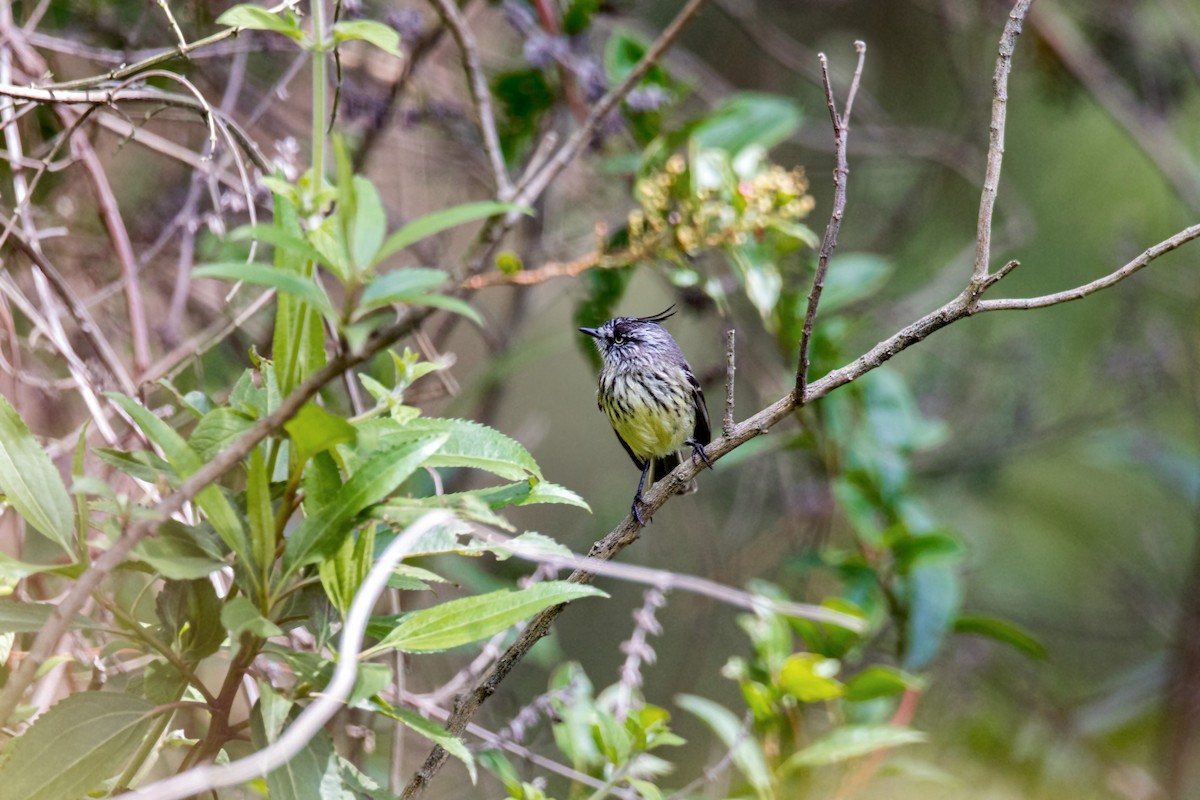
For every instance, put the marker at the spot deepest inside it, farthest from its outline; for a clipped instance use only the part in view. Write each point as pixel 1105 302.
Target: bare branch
pixel 481 96
pixel 991 180
pixel 730 369
pixel 841 171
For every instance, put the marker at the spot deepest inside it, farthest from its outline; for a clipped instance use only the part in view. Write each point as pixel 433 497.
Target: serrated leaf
pixel 290 283
pixel 469 444
pixel 426 226
pixel 852 741
pixel 459 622
pixel 431 731
pixel 382 36
pixel 748 755
pixel 87 737
pixel 1002 631
pixel 255 18
pixel 321 532
pixel 30 481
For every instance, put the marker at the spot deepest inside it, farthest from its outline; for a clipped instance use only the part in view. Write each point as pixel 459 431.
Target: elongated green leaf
pixel 382 36
pixel 1000 630
pixel 470 619
pixel 748 756
pixel 185 460
pixel 30 481
pixel 240 616
pixel 260 512
pixel 18 617
pixel 370 220
pixel 321 532
pixel 852 741
pixel 298 345
pixel 298 286
pixel 746 119
pixel 13 571
pixel 390 287
pixel 468 444
pixel 255 18
pixel 87 738
pixel 426 226
pixel 444 302
pixel 293 244
pixel 431 731
pixel 934 591
pixel 880 681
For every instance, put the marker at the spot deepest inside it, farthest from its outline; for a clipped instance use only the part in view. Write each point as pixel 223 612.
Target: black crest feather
pixel 660 316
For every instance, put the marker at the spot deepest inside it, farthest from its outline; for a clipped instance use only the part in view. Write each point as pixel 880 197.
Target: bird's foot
pixel 698 450
pixel 636 512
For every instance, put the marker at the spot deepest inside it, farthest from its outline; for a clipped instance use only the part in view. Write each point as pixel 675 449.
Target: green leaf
pixel 86 737
pixel 426 226
pixel 321 532
pixel 880 681
pixel 290 283
pixel 399 284
pixel 469 444
pixel 302 777
pixel 217 430
pixel 31 483
pixel 459 622
pixel 1002 631
pixel 314 429
pixel 344 572
pixel 852 741
pixel 185 460
pixel 912 549
pixel 291 244
pixel 240 615
pixel 809 677
pixel 255 18
pixel 431 731
pixel 190 612
pixel 178 553
pixel 16 617
pixel 934 590
pixel 13 571
pixel 748 755
pixel 382 36
pixel 260 512
pixel 853 277
pixel 298 344
pixel 370 220
pixel 446 303
pixel 748 119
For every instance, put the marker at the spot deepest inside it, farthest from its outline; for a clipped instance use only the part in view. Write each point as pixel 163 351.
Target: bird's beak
pixel 590 332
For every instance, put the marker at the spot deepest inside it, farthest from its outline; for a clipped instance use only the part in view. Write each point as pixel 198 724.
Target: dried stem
pixel 481 97
pixel 730 368
pixel 841 171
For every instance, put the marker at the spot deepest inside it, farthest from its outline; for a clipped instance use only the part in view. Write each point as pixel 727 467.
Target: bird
pixel 650 396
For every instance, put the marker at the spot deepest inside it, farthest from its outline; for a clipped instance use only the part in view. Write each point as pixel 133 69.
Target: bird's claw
pixel 698 450
pixel 637 514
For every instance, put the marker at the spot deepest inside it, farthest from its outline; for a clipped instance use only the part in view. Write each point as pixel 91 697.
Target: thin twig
pixel 991 179
pixel 481 96
pixel 841 171
pixel 730 368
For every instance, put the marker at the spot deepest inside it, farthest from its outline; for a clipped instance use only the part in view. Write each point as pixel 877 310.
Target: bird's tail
pixel 662 466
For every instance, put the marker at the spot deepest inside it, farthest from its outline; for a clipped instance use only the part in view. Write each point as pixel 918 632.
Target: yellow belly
pixel 651 426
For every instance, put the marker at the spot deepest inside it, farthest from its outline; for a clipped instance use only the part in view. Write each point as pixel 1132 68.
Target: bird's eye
pixel 618 339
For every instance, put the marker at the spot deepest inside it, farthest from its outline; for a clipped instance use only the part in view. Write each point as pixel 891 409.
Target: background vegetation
pixel 279 281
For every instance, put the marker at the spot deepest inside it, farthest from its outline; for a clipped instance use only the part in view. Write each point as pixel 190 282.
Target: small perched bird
pixel 649 394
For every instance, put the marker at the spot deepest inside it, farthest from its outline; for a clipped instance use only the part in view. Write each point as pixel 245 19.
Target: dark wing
pixel 638 462
pixel 703 431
